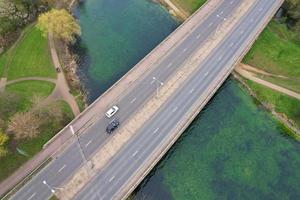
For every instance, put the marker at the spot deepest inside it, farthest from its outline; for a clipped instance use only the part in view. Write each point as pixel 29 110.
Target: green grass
pixel 66 109
pixel 13 160
pixel 30 57
pixel 276 52
pixel 80 103
pixel 27 89
pixel 3 59
pixel 189 6
pixel 282 103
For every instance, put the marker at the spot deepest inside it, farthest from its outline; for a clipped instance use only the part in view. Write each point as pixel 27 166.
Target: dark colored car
pixel 112 126
pixel 57 69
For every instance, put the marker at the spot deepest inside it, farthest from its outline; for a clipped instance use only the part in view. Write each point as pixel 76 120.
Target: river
pixel 234 149
pixel 117 34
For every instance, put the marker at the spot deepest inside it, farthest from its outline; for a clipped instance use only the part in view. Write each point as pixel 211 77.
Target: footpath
pixel 244 71
pixel 85 119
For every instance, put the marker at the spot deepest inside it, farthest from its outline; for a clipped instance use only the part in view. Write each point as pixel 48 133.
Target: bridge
pixel 158 99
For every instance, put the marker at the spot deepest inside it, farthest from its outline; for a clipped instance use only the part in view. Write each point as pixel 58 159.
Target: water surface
pixel 233 150
pixel 116 34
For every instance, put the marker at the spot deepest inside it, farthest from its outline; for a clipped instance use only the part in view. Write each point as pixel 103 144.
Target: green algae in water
pixel 117 34
pixel 233 150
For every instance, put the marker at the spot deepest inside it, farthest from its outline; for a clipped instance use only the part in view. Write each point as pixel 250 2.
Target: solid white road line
pixel 112 178
pixel 191 91
pixel 32 196
pixel 133 100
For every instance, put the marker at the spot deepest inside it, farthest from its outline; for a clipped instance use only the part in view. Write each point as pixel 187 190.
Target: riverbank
pixel 276 53
pixel 29 87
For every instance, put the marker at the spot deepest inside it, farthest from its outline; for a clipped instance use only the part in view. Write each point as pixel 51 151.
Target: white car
pixel 111 111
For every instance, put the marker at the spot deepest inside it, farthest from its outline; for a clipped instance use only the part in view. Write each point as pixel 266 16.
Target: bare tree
pixel 24 125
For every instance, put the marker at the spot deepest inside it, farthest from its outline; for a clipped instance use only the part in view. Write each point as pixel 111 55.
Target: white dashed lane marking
pixel 32 196
pixel 174 109
pixel 111 179
pixel 133 100
pixel 87 144
pixel 134 154
pixel 169 65
pixel 61 168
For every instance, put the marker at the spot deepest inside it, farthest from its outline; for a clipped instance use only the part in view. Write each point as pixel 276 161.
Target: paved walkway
pixel 251 76
pixel 2 84
pixel 62 90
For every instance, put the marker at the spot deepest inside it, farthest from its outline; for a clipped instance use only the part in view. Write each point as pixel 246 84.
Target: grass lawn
pixel 13 160
pixel 80 103
pixel 3 59
pixel 189 6
pixel 27 89
pixel 282 103
pixel 275 51
pixel 30 57
pixel 67 110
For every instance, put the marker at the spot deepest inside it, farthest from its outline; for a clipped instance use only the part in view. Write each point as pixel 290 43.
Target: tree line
pixel 292 16
pixel 15 14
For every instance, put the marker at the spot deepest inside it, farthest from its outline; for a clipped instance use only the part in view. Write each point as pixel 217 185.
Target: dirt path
pixel 174 10
pixel 259 71
pixel 252 76
pixel 31 79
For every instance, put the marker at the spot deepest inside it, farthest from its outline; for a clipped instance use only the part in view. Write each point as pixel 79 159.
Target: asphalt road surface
pixel 153 134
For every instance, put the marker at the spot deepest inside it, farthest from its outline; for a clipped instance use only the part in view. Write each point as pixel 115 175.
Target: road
pixel 153 134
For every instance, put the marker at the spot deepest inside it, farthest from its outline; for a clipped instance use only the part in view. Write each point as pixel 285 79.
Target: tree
pixel 59 23
pixel 293 7
pixel 3 139
pixel 24 125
